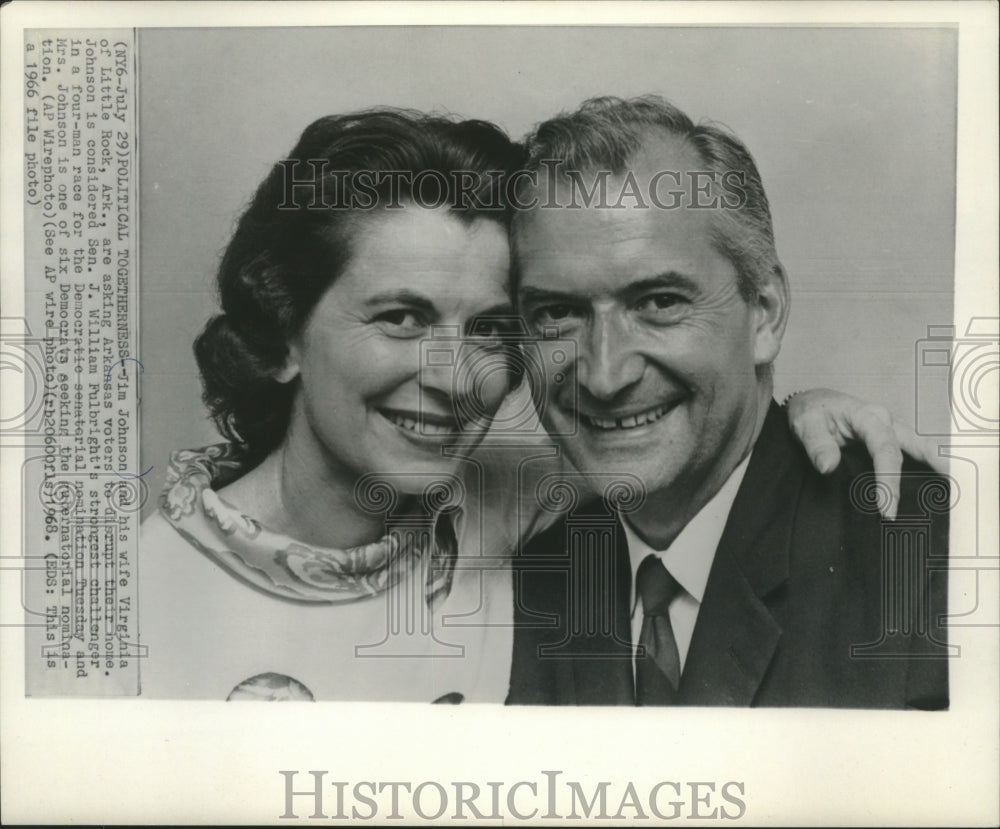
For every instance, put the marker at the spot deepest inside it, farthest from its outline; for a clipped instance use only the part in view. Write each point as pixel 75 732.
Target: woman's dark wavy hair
pixel 294 240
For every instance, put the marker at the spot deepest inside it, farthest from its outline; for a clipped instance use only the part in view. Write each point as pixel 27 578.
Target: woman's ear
pixel 290 370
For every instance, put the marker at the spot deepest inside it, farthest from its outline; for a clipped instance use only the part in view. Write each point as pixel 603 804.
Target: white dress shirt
pixel 688 560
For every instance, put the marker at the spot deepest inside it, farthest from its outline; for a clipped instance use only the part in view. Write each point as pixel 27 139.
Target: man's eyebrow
pixel 403 297
pixel 667 279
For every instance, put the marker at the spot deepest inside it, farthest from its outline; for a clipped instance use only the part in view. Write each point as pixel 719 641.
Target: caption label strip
pixel 83 490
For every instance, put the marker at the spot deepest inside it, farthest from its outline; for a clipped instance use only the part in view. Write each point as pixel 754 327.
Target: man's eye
pixel 662 305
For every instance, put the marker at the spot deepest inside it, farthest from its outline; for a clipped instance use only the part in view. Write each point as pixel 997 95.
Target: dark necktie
pixel 658 670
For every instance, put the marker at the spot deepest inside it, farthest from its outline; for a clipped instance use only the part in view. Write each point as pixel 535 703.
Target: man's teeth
pixel 425 428
pixel 630 422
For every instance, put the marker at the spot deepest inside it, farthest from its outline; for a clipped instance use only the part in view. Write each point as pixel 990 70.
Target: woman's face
pixel 397 361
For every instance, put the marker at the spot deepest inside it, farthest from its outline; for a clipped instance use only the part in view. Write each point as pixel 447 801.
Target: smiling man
pixel 736 575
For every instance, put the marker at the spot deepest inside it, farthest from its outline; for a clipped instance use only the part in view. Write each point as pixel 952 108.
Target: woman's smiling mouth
pixel 422 424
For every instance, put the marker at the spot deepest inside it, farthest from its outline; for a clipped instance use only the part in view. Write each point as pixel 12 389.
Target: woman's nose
pixel 439 358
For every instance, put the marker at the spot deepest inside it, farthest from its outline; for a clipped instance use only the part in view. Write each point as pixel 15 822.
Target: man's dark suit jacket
pixel 812 599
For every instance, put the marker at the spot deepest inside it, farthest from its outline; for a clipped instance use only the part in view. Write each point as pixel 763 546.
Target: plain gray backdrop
pixel 853 130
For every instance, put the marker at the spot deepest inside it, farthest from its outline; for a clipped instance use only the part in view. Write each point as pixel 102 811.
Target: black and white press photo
pixel 499 391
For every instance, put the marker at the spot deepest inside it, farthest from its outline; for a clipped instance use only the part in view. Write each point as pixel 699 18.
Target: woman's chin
pixel 437 481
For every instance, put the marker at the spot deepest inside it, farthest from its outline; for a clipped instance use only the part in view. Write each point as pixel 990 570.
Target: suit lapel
pixel 604 675
pixel 578 572
pixel 736 635
pixel 733 643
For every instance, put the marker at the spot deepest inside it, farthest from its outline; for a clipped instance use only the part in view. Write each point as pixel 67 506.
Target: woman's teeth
pixel 630 422
pixel 425 428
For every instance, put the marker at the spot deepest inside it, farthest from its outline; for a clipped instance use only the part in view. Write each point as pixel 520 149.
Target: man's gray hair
pixel 605 133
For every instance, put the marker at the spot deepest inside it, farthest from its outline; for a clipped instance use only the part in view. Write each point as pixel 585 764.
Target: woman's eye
pixel 494 328
pixel 485 329
pixel 550 314
pixel 401 318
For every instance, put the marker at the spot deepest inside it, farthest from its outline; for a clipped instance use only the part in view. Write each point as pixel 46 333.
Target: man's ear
pixel 770 316
pixel 290 370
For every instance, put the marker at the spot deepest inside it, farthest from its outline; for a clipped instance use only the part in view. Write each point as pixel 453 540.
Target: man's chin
pixel 606 472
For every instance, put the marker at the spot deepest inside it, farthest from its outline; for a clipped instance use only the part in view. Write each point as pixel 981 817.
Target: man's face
pixel 667 347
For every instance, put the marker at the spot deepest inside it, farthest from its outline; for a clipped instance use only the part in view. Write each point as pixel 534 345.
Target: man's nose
pixel 609 362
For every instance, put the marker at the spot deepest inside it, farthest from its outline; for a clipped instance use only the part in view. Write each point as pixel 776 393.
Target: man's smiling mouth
pixel 634 421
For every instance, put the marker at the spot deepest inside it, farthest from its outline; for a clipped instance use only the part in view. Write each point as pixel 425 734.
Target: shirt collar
pixel 689 558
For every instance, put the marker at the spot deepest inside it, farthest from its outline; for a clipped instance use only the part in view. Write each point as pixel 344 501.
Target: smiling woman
pixel 364 403
pixel 343 433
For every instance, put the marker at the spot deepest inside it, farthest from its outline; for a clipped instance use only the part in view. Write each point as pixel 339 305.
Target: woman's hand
pixel 825 420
